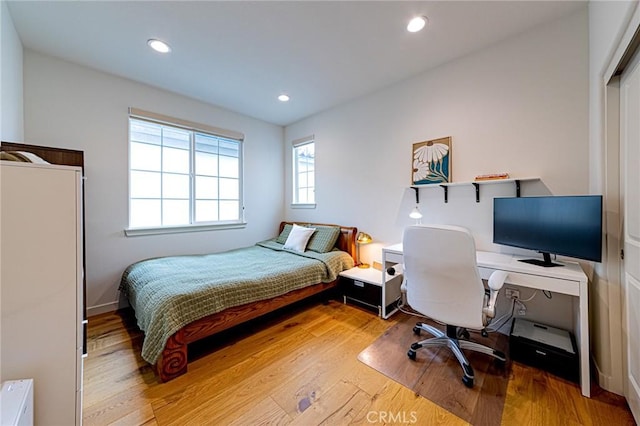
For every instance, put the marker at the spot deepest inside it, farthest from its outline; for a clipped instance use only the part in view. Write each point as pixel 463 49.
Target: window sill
pixel 134 232
pixel 303 206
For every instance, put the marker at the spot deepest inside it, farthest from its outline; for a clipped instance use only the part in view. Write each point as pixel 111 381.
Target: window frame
pixel 298 143
pixel 194 129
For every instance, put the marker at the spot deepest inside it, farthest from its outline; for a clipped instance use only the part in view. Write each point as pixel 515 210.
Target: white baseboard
pixel 608 382
pixel 101 309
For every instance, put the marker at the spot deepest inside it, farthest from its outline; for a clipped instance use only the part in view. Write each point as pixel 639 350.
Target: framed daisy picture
pixel 431 161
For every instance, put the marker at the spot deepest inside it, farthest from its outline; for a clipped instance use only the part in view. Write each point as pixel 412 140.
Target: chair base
pixel 452 340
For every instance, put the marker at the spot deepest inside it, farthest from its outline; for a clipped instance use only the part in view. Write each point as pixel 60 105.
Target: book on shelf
pixel 492 176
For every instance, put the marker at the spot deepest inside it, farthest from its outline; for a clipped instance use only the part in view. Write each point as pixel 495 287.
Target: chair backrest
pixel 441 273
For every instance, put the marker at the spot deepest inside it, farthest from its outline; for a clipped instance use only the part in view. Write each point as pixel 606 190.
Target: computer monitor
pixel 564 225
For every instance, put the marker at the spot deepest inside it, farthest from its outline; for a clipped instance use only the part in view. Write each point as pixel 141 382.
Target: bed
pixel 181 299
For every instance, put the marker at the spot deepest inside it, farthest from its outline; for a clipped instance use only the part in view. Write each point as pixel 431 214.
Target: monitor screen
pixel 564 225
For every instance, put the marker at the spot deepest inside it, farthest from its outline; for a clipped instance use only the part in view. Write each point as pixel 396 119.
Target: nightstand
pixel 365 287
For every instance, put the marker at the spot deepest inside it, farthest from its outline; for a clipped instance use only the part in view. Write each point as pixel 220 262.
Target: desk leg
pixel 583 342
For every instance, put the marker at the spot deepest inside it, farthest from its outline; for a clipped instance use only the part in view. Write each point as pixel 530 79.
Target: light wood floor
pixel 298 367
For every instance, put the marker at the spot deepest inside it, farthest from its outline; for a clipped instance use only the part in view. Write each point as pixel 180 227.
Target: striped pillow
pixel 324 239
pixel 282 238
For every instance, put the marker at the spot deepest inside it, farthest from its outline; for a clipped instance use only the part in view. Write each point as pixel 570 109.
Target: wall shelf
pixel 476 184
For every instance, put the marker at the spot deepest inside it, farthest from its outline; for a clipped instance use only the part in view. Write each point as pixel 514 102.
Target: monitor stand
pixel 547 263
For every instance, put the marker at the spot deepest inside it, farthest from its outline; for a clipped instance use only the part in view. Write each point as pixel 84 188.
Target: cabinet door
pixel 40 254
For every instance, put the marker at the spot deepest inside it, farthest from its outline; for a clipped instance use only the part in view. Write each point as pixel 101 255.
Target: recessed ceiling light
pixel 416 24
pixel 158 45
pixel 283 98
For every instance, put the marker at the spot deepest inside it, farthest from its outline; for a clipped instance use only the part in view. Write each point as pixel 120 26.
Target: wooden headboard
pixel 346 240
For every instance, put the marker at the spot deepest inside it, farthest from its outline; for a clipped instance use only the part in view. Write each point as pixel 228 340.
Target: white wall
pixel 70 106
pixel 11 113
pixel 520 106
pixel 607 22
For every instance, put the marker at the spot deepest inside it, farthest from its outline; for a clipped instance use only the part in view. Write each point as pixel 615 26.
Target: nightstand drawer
pixel 361 291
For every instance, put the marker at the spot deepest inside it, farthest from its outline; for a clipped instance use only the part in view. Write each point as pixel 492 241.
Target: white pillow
pixel 298 238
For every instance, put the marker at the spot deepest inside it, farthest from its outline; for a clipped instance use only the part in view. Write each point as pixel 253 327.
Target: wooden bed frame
pixel 173 360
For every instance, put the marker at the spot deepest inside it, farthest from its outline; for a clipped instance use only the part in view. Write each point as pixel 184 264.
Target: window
pixel 182 177
pixel 304 172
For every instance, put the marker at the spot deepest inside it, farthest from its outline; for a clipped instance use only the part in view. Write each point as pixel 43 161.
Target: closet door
pixel 41 272
pixel 630 178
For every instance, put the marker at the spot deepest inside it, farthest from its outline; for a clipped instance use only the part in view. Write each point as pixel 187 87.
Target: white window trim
pixel 185 124
pixel 139 114
pixel 135 232
pixel 294 144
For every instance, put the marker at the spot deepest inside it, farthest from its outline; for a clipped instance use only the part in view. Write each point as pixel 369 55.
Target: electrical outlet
pixel 512 294
pixel 522 312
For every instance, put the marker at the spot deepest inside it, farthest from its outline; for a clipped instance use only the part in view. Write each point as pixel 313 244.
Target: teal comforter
pixel 170 292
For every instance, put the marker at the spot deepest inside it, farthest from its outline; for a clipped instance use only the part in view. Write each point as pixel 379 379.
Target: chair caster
pixel 499 363
pixel 411 354
pixel 463 334
pixel 484 333
pixel 415 346
pixel 468 381
pixel 416 330
pixel 500 357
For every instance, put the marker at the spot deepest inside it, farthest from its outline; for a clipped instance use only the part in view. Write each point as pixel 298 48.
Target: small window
pixel 182 177
pixel 304 172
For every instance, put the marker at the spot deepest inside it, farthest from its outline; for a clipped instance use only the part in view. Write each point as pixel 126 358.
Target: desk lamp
pixel 362 238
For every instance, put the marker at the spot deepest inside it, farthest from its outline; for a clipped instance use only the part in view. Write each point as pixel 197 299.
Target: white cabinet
pixel 41 299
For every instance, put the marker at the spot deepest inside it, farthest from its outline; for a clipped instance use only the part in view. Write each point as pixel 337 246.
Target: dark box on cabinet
pixel 548 348
pixel 364 293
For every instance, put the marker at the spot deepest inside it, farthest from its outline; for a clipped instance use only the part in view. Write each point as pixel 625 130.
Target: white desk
pixel 569 279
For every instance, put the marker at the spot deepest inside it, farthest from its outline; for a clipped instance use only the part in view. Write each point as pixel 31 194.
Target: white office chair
pixel 442 282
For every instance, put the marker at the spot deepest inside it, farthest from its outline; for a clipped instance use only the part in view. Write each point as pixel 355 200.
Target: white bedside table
pixel 365 287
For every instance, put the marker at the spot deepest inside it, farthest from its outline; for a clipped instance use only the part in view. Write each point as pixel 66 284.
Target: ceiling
pixel 241 55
